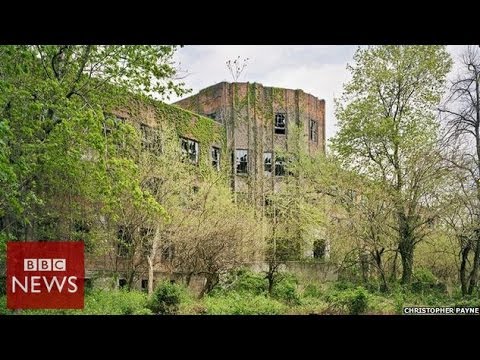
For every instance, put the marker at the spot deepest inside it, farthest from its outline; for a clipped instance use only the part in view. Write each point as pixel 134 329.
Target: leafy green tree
pixel 462 124
pixel 64 159
pixel 387 130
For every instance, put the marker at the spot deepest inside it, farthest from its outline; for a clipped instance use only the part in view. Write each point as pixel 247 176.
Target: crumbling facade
pixel 258 121
pixel 250 127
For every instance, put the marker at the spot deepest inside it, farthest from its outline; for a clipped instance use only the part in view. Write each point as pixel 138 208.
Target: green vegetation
pixel 87 154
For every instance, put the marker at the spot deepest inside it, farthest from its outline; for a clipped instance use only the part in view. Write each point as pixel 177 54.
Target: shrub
pixel 3 285
pixel 312 291
pixel 237 304
pixel 115 302
pixel 351 301
pixel 245 280
pixel 166 298
pixel 425 280
pixel 358 302
pixel 286 290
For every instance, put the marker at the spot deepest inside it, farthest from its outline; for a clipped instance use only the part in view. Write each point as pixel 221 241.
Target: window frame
pixel 313 131
pixel 265 170
pixel 186 154
pixel 280 163
pixel 215 162
pixel 238 162
pixel 278 130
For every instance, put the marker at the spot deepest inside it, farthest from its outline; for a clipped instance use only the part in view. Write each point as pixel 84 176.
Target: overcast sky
pixel 316 69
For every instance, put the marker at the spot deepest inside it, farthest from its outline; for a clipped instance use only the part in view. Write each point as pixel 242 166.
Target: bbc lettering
pixel 44 265
pixel 45 275
pixel 33 284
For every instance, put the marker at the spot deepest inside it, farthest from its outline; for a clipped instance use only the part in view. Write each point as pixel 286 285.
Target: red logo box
pixel 45 275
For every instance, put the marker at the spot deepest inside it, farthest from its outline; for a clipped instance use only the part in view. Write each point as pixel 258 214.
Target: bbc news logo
pixel 45 275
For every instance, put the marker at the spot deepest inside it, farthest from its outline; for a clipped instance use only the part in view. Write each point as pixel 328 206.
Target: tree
pixel 64 157
pixel 462 119
pixel 296 210
pixel 387 130
pixel 214 235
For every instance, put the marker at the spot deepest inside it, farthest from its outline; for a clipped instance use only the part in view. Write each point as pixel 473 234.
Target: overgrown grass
pixel 245 293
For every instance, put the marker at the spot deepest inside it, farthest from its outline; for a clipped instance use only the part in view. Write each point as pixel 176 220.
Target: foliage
pixel 387 132
pixel 354 301
pixel 166 298
pixel 234 303
pixel 244 281
pixel 312 291
pixel 285 289
pixel 97 302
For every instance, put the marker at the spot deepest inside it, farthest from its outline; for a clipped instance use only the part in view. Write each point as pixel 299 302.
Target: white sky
pixel 316 69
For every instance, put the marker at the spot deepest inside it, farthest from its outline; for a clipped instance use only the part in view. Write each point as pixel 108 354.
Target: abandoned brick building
pixel 257 121
pixel 252 124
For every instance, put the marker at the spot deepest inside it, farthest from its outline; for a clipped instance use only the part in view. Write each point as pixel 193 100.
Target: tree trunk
pixel 463 270
pixel 406 248
pixel 406 253
pixel 150 275
pixel 212 281
pixel 476 263
pixel 393 275
pixel 378 262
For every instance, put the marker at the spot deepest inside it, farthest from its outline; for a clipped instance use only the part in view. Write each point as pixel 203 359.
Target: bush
pixel 286 290
pixel 3 285
pixel 245 281
pixel 351 301
pixel 97 302
pixel 115 302
pixel 237 304
pixel 312 291
pixel 358 303
pixel 426 281
pixel 166 298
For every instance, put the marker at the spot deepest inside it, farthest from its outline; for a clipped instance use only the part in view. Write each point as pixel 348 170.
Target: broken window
pixel 242 161
pixel 87 283
pixel 122 283
pixel 313 131
pixel 216 158
pixel 150 139
pixel 267 162
pixel 124 241
pixel 280 123
pixel 212 116
pixel 279 166
pixel 319 249
pixel 190 150
pixel 144 284
pixel 112 123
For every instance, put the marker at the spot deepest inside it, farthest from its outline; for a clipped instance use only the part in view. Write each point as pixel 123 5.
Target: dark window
pixel 216 158
pixel 150 139
pixel 267 162
pixel 87 283
pixel 112 122
pixel 212 116
pixel 125 241
pixel 279 166
pixel 168 252
pixel 313 131
pixel 319 249
pixel 280 123
pixel 122 283
pixel 242 161
pixel 190 150
pixel 144 284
